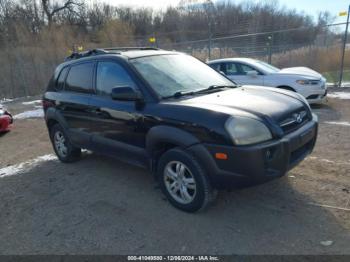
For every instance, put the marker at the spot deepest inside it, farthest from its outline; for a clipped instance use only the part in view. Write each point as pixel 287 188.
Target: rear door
pixel 73 102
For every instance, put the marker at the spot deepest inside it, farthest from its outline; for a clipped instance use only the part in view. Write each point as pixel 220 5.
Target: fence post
pixel 209 40
pixel 270 38
pixel 343 50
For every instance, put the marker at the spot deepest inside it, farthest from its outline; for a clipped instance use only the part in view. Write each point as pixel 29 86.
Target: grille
pixel 314 82
pixel 294 121
pixel 312 97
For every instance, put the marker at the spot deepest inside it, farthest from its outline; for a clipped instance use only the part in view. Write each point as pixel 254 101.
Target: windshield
pixel 168 74
pixel 267 67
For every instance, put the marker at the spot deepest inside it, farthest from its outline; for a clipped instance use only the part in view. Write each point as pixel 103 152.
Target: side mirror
pixel 252 73
pixel 125 93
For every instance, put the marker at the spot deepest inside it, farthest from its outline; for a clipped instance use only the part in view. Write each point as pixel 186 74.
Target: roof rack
pixel 129 48
pixel 77 55
pixel 107 50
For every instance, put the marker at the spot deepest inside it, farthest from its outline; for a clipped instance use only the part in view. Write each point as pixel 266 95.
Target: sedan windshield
pixel 174 73
pixel 267 67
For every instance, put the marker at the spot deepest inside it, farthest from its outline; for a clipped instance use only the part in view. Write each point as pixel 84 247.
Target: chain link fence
pixel 319 49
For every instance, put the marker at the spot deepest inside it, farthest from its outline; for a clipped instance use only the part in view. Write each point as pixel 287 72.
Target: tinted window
pixel 111 75
pixel 246 68
pixel 231 69
pixel 61 78
pixel 79 78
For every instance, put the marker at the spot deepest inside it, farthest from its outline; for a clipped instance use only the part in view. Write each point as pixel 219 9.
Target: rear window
pixel 79 78
pixel 61 78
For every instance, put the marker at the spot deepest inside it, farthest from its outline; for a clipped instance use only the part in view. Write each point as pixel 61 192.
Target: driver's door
pixel 242 74
pixel 117 126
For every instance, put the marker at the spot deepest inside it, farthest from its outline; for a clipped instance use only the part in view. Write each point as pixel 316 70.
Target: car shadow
pixel 3 133
pixel 102 206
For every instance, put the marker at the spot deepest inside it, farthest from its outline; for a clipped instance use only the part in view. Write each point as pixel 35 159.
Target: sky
pixel 311 7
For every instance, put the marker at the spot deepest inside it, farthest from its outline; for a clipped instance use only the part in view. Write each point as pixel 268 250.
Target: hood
pixel 250 101
pixel 301 71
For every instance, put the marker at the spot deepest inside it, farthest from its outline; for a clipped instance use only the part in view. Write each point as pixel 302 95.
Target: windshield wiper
pixel 214 87
pixel 179 94
pixel 209 89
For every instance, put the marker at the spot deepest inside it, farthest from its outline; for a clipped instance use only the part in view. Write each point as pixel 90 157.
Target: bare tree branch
pixel 52 10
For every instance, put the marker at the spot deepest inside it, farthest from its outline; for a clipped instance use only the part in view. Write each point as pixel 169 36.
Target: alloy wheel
pixel 180 182
pixel 60 144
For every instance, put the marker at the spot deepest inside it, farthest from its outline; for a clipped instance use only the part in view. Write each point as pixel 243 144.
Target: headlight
pixel 245 131
pixel 308 82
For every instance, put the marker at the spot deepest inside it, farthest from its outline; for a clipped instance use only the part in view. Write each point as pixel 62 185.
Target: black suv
pixel 191 126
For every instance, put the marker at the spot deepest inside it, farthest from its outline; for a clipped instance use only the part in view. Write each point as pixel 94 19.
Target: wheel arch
pixel 52 117
pixel 51 122
pixel 161 138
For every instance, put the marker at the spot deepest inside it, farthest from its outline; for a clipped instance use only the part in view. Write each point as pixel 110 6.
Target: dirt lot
pixel 101 206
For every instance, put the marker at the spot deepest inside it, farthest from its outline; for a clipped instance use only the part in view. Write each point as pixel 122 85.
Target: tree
pixel 51 9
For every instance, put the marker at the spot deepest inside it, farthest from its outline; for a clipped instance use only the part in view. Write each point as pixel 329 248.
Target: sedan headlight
pixel 246 131
pixel 308 82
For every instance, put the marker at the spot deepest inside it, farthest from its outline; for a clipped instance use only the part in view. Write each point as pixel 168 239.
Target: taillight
pixel 46 104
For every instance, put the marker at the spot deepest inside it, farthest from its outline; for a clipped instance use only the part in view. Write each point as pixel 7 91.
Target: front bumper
pixel 316 95
pixel 317 98
pixel 257 163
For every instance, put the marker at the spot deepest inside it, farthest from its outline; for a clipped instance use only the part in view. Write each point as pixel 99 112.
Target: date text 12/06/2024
pixel 173 258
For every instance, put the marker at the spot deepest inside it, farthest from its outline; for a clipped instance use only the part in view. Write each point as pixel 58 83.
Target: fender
pixel 167 134
pixel 52 114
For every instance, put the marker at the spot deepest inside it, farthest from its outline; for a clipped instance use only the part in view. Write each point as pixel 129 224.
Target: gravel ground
pixel 101 206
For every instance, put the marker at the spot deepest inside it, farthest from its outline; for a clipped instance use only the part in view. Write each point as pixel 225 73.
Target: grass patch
pixel 333 76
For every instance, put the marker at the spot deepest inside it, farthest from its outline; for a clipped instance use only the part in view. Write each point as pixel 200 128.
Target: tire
pixel 187 176
pixel 64 149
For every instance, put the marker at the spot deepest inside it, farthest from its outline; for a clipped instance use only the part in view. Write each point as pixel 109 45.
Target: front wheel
pixel 183 181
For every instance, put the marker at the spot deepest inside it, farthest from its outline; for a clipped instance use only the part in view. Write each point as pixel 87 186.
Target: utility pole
pixel 344 47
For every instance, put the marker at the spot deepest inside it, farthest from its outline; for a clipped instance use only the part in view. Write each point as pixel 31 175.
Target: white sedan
pixel 246 71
